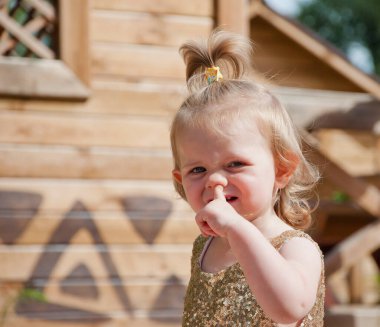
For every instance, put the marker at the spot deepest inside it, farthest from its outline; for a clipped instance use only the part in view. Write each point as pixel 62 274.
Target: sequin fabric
pixel 224 298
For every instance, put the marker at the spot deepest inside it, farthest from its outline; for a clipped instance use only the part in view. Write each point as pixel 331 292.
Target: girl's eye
pixel 235 164
pixel 197 170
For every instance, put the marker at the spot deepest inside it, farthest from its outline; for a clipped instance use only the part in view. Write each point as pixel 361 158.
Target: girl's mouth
pixel 230 198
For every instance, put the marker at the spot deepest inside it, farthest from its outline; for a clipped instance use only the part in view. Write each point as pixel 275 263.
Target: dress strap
pixel 281 239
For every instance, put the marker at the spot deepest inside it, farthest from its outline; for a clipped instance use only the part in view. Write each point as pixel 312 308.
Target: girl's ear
pixel 285 171
pixel 177 176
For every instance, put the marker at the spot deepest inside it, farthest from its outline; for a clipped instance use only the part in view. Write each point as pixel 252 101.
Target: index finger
pixel 218 193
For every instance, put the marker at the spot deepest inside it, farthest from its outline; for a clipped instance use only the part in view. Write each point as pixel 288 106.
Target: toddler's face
pixel 241 161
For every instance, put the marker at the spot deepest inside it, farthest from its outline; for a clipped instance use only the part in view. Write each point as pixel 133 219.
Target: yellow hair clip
pixel 213 74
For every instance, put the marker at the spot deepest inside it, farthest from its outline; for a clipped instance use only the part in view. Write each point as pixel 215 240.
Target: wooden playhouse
pixel 91 231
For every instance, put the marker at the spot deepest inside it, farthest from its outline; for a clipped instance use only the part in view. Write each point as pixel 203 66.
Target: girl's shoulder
pixel 288 235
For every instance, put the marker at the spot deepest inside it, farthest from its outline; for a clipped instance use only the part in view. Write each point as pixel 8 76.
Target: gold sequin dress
pixel 224 298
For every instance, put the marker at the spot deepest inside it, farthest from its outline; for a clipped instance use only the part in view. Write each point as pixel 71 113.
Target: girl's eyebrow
pixel 191 164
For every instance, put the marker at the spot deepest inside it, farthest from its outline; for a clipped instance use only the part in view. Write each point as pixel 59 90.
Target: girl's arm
pixel 283 282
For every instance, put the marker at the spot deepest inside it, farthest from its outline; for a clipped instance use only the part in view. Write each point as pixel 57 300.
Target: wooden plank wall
pixel 88 215
pixel 286 63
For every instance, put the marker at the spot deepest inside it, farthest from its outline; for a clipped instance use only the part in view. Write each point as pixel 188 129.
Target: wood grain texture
pixel 83 130
pixel 104 212
pixel 195 7
pixel 137 62
pixel 145 28
pixel 111 98
pixel 20 263
pixel 74 37
pixel 84 162
pixel 103 295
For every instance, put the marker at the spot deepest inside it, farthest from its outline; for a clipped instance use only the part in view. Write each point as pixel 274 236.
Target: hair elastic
pixel 213 74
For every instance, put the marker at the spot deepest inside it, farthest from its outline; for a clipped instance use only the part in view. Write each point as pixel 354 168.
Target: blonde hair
pixel 237 98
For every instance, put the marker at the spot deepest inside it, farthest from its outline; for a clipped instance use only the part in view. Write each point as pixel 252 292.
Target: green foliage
pixel 340 197
pixel 26 294
pixel 31 294
pixel 345 22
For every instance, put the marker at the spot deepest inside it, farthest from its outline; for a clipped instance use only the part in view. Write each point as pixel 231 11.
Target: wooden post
pixel 74 37
pixel 232 15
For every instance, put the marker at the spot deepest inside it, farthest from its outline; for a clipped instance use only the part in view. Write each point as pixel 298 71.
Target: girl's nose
pixel 216 178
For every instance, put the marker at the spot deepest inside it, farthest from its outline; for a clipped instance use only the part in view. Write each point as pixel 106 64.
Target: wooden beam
pixel 233 16
pixel 364 194
pixel 21 263
pixel 143 294
pixel 351 250
pixel 74 37
pixel 137 28
pixel 84 130
pixel 111 98
pixel 185 8
pixel 314 109
pixel 137 62
pixel 35 161
pixel 317 48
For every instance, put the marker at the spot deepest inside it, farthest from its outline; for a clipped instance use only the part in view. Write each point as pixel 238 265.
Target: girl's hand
pixel 217 216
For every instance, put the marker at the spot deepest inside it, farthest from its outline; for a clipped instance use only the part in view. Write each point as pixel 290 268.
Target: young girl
pixel 239 164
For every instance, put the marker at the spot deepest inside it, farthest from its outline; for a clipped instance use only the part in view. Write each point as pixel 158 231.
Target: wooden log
pixel 95 195
pixel 144 28
pixel 137 62
pixel 80 130
pixel 22 263
pixel 102 296
pixel 70 162
pixel 192 8
pixel 163 100
pixel 93 212
pixel 83 227
pixel 111 98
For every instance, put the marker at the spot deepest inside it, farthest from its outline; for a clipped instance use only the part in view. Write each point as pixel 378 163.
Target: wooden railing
pixel 27 28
